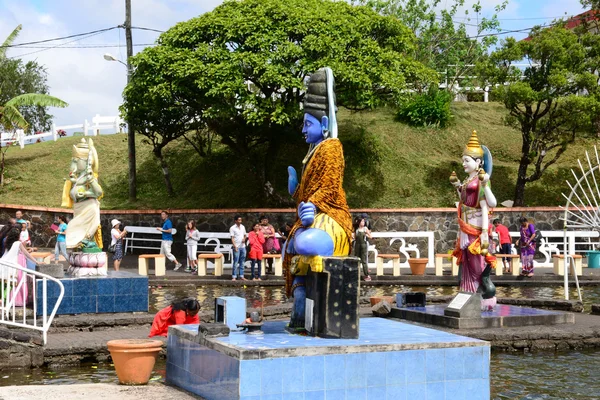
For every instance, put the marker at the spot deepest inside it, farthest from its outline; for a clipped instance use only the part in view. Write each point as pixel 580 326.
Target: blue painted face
pixel 313 128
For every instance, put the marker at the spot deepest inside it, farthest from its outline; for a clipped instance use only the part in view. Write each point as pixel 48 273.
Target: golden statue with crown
pixel 83 192
pixel 474 207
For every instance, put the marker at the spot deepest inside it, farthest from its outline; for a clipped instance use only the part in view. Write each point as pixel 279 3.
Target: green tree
pixel 452 39
pixel 240 69
pixel 548 101
pixel 19 78
pixel 11 117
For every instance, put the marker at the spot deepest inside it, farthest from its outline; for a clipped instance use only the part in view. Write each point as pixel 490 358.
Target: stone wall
pixel 440 220
pixel 19 349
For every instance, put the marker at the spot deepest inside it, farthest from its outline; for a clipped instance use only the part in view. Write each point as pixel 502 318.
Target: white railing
pixel 14 287
pixel 552 243
pixel 114 124
pixel 405 249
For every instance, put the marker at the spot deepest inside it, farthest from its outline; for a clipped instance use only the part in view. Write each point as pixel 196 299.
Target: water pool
pixel 548 376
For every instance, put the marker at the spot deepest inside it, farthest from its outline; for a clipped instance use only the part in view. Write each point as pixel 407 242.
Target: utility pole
pixel 130 128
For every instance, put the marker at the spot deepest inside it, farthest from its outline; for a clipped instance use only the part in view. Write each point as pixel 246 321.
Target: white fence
pixel 99 123
pixel 15 282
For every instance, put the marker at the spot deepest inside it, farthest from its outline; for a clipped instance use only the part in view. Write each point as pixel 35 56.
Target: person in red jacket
pixel 505 243
pixel 178 313
pixel 256 239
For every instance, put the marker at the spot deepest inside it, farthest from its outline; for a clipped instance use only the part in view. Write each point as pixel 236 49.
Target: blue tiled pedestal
pixel 120 291
pixel 390 360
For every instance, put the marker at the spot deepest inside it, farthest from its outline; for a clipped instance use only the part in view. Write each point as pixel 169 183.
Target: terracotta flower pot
pixel 376 299
pixel 417 265
pixel 134 359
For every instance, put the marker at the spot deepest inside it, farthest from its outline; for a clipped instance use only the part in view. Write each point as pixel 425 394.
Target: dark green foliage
pixel 427 109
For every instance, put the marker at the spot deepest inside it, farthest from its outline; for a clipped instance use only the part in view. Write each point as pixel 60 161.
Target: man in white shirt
pixel 238 239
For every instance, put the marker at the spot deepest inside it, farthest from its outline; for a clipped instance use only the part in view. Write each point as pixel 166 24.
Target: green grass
pixel 388 165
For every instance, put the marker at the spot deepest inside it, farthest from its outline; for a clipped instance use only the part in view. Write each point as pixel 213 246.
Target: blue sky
pixel 93 86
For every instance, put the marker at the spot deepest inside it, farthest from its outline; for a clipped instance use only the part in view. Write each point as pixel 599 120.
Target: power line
pixel 61 44
pixel 61 38
pixel 147 29
pixel 86 46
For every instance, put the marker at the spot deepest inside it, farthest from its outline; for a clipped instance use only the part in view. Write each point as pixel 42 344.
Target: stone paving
pixel 96 391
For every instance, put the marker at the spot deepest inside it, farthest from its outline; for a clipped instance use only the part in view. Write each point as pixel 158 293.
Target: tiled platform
pixel 390 360
pixel 118 292
pixel 503 315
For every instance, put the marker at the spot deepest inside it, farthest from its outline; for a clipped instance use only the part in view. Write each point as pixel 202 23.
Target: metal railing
pixel 14 288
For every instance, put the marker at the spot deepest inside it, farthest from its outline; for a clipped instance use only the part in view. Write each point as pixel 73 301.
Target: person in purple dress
pixel 527 245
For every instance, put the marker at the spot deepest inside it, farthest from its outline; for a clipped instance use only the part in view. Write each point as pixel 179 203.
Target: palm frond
pixel 9 40
pixel 11 117
pixel 36 99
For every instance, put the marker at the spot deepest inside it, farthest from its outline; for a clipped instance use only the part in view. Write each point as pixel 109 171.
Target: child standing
pixel 24 236
pixel 256 239
pixel 192 236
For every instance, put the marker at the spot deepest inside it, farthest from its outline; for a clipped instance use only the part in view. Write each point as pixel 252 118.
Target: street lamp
pixel 110 57
pixel 130 135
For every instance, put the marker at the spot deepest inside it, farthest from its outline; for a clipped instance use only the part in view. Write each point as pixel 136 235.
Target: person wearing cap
pixel 61 239
pixel 116 243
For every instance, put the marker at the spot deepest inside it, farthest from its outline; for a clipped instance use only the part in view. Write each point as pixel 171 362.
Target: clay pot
pixel 417 265
pixel 134 359
pixel 376 299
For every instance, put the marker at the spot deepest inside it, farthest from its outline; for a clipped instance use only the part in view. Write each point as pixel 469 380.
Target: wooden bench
pixel 130 241
pixel 439 262
pixel 277 263
pixel 395 263
pixel 558 262
pixel 159 264
pixel 515 263
pixel 216 257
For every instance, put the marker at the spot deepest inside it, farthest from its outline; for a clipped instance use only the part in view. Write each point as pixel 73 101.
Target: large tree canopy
pixel 552 100
pixel 240 70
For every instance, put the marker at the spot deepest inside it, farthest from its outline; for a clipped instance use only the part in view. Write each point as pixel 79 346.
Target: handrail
pixel 11 286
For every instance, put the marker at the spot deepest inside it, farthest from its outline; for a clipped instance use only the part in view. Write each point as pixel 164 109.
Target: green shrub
pixel 427 109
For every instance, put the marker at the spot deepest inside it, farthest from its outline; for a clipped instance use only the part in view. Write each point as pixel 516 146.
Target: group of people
pixel 526 244
pixel 262 239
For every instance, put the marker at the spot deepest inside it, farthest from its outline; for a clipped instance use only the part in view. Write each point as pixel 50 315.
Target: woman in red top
pixel 178 313
pixel 256 239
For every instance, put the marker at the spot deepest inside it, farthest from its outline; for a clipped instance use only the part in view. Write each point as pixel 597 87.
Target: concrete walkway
pixel 96 391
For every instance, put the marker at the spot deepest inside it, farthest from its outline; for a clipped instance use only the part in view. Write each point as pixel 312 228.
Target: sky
pixel 92 86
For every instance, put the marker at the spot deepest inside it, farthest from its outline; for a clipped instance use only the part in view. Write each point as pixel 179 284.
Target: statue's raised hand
pixel 307 212
pixel 292 180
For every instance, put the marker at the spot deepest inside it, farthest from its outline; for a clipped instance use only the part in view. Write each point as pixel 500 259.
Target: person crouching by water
pixel 178 313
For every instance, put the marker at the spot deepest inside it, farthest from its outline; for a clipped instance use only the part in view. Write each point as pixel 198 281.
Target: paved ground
pixel 96 391
pixel 64 342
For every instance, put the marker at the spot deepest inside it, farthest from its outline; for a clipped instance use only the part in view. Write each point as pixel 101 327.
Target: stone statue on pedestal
pixel 324 225
pixel 476 201
pixel 83 192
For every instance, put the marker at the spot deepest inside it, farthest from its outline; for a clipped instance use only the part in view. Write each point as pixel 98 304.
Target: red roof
pixel 573 22
pixel 591 15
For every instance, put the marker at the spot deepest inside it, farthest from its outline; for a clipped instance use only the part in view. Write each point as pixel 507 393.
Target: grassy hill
pixel 388 165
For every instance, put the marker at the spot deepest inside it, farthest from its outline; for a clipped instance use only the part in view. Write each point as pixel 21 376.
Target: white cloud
pixel 92 85
pixel 82 77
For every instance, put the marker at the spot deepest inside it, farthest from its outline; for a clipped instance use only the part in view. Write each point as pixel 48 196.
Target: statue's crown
pixel 81 150
pixel 473 148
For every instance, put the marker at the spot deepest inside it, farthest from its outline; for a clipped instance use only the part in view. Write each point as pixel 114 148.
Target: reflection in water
pixel 546 375
pixel 69 375
pixel 161 296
